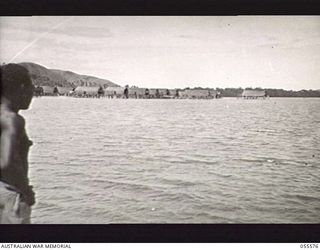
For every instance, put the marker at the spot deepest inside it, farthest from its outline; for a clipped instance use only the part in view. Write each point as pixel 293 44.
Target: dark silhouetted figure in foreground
pixel 16 195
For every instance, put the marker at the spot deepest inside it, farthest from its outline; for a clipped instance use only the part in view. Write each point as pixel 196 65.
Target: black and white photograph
pixel 160 119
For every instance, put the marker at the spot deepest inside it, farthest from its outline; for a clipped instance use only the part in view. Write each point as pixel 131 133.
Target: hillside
pixel 52 77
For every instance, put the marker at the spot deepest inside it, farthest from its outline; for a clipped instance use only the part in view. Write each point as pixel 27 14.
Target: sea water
pixel 174 161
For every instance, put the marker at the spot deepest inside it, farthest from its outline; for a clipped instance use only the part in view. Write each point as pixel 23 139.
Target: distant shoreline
pixel 51 78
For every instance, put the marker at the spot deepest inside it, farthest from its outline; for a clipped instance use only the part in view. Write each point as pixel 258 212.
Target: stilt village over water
pixel 139 93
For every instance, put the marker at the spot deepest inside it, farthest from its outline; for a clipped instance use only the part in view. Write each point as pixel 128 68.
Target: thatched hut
pixel 158 93
pixel 196 94
pixel 253 94
pixel 137 92
pixel 169 93
pixel 48 90
pixel 64 90
pixel 114 91
pixel 84 91
pixel 214 93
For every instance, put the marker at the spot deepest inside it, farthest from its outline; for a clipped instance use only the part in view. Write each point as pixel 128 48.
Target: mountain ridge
pixel 43 76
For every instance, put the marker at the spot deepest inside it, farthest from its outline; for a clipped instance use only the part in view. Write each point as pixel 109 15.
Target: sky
pixel 172 51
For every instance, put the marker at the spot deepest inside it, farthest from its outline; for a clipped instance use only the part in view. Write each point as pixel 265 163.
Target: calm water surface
pixel 175 161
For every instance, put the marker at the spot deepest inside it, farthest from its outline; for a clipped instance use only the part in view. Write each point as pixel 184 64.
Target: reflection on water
pixel 175 161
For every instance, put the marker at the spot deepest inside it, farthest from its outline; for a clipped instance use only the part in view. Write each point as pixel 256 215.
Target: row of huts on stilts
pixel 126 92
pixel 140 93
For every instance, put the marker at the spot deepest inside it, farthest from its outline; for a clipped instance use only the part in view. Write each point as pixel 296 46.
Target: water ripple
pixel 175 161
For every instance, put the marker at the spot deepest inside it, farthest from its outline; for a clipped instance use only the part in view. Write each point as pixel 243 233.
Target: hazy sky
pixel 172 51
